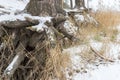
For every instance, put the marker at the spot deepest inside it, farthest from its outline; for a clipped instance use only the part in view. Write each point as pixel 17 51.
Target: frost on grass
pixel 70 27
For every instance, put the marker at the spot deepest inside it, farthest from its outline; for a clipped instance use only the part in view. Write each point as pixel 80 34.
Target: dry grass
pixel 108 18
pixel 56 65
pixel 109 21
pixel 107 28
pixel 105 32
pixel 39 65
pixel 44 63
pixel 6 54
pixel 87 56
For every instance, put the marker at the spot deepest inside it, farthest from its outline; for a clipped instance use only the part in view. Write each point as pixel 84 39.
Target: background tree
pixel 71 3
pixel 79 3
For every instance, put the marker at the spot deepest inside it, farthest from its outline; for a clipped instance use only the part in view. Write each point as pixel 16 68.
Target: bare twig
pixel 98 54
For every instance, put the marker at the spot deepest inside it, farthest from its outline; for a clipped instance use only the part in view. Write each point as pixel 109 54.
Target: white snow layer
pixel 18 5
pixel 101 72
pixel 8 8
pixel 41 26
pixel 12 17
pixel 109 72
pixel 13 4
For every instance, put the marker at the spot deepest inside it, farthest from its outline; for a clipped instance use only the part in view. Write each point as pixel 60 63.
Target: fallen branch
pixel 98 54
pixel 19 23
pixel 61 29
pixel 20 50
pixel 58 23
pixel 2 46
pixel 58 20
pixel 9 71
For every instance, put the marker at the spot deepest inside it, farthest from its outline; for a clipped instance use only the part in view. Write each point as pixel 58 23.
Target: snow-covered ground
pixel 107 71
pixel 105 5
pixel 99 70
pixel 103 72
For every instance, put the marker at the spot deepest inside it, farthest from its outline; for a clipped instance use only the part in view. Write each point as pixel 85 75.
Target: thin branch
pixel 9 71
pixel 98 54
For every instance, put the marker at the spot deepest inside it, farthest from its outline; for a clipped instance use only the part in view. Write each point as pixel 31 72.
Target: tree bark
pixel 71 4
pixel 19 23
pixel 79 3
pixel 45 7
pixel 13 65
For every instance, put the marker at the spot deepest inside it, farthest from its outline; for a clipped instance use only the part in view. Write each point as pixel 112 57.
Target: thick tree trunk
pixel 59 2
pixel 45 7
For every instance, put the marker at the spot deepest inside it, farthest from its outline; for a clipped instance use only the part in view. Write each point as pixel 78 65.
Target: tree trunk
pixel 79 3
pixel 71 4
pixel 14 65
pixel 45 7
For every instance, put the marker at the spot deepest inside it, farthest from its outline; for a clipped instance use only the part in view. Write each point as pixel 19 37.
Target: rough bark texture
pixel 71 3
pixel 14 65
pixel 19 23
pixel 79 3
pixel 45 7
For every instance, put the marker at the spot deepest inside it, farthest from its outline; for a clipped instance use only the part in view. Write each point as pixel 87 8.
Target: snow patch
pixel 70 27
pixel 13 5
pixel 79 18
pixel 13 17
pixel 41 26
pixel 110 72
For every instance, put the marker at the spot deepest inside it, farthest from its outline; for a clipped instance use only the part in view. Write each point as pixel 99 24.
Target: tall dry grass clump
pixel 107 20
pixel 55 65
pixel 45 63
